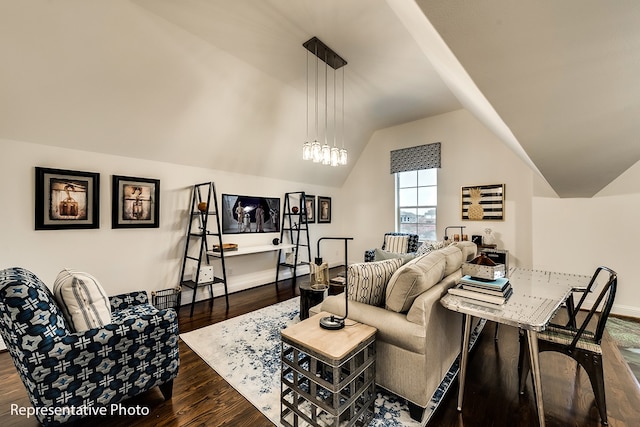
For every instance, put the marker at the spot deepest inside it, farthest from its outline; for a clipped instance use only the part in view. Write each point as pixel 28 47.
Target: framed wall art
pixel 483 202
pixel 310 202
pixel 324 209
pixel 135 202
pixel 66 199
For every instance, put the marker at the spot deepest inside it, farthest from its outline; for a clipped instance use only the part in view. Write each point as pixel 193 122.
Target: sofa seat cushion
pixel 367 281
pixel 392 327
pixel 83 301
pixel 412 279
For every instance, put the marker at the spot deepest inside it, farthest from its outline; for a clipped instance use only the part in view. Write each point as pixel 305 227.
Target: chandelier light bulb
pixel 343 157
pixel 306 151
pixel 335 156
pixel 316 152
pixel 326 154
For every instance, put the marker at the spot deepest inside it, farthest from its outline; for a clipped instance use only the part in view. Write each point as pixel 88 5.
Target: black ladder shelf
pixel 295 231
pixel 203 198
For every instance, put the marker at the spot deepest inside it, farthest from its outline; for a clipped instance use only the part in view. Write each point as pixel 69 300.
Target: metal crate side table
pixel 328 377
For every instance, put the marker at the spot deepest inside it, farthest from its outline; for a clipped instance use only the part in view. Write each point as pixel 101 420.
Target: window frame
pixel 431 234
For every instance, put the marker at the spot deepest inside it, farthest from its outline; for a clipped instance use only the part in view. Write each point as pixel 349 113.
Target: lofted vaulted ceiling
pixel 221 84
pixel 563 75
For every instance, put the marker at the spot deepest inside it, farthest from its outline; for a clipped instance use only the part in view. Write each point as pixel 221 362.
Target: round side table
pixel 310 297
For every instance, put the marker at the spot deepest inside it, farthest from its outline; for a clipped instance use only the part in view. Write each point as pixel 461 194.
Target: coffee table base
pixel 322 392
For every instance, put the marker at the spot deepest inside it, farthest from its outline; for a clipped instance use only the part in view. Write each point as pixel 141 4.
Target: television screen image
pixel 250 214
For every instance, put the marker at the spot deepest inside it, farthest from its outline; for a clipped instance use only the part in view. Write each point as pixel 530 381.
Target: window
pixel 416 202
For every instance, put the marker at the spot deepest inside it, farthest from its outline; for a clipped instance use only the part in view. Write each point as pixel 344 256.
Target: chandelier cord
pixel 307 88
pixel 342 131
pixel 317 92
pixel 326 99
pixel 334 108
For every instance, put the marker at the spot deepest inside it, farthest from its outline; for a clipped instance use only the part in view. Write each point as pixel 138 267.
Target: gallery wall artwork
pixel 135 202
pixel 310 208
pixel 324 209
pixel 66 199
pixel 483 202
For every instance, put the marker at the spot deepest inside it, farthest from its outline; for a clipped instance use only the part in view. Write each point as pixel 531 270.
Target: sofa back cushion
pixel 367 281
pixel 412 279
pixel 453 257
pixel 469 249
pixel 83 302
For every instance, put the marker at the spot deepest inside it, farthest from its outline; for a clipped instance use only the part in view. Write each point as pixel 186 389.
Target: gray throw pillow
pixel 381 255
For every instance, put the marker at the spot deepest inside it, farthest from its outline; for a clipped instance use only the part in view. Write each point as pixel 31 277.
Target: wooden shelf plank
pixel 246 250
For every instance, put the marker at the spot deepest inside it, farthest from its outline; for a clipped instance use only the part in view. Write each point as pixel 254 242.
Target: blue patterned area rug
pixel 245 351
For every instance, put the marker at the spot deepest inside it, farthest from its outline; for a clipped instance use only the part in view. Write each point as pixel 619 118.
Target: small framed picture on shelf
pixel 324 209
pixel 135 202
pixel 66 199
pixel 310 202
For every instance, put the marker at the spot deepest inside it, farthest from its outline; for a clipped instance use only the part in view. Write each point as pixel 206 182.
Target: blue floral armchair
pixel 98 367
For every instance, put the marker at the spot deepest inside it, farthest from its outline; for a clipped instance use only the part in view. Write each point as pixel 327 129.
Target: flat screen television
pixel 250 214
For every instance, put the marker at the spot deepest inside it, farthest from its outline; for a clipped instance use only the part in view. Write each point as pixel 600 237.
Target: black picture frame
pixel 135 202
pixel 324 209
pixel 310 202
pixel 66 199
pixel 483 202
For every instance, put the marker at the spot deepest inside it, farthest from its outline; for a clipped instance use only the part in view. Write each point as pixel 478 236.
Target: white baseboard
pixel 626 310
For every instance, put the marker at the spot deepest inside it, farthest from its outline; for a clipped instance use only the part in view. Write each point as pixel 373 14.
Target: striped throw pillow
pixel 82 300
pixel 368 281
pixel 397 244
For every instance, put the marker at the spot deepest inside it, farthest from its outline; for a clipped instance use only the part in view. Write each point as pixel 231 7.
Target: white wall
pixel 471 155
pixel 540 230
pixel 130 259
pixel 578 235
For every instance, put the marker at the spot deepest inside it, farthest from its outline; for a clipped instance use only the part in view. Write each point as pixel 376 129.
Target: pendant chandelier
pixel 325 154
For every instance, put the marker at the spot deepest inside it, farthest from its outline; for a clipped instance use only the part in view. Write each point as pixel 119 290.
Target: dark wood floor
pixel 202 398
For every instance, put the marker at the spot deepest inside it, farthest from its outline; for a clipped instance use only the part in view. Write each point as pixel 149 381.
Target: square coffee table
pixel 327 376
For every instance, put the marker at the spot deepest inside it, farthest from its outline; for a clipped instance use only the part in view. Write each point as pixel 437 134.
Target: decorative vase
pixel 488 238
pixel 202 206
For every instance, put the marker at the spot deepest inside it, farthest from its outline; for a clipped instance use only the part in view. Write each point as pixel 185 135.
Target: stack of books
pixel 495 291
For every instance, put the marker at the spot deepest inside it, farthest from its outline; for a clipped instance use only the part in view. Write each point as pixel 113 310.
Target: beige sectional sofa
pixel 418 339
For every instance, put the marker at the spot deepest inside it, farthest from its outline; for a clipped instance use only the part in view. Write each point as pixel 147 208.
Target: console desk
pixel 537 296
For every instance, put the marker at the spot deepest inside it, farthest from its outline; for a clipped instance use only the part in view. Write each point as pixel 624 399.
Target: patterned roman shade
pixel 416 158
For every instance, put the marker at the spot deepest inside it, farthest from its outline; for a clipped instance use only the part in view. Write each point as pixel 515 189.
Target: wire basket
pixel 167 298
